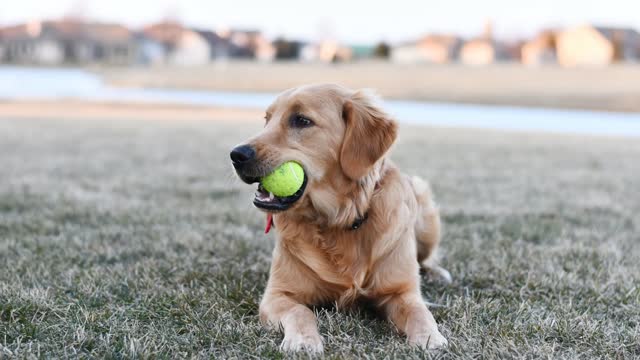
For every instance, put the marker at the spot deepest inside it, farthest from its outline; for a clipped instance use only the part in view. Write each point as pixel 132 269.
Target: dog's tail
pixel 428 222
pixel 428 230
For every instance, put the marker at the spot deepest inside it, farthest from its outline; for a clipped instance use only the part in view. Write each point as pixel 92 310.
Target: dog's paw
pixel 302 342
pixel 432 340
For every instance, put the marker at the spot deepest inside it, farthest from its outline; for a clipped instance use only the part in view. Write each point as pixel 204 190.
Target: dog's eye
pixel 300 121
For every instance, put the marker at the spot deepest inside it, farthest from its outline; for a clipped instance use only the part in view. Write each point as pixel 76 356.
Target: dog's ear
pixel 369 133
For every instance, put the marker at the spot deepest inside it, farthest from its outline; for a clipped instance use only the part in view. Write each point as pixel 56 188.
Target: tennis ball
pixel 285 180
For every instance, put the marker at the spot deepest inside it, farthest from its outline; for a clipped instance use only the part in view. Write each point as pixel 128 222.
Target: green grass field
pixel 134 239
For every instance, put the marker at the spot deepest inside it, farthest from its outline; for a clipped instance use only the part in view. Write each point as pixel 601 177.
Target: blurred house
pixel 109 44
pixel 513 50
pixel 31 44
pixel 326 51
pixel 483 52
pixel 190 49
pixel 435 48
pixel 185 46
pixel 150 51
pixel 441 49
pixel 220 47
pixel 68 41
pixel 407 53
pixel 166 33
pixel 182 47
pixel 540 50
pixel 597 46
pixel 250 44
pixel 308 52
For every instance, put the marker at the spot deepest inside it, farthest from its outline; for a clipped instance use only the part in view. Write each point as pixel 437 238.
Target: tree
pixel 382 50
pixel 286 49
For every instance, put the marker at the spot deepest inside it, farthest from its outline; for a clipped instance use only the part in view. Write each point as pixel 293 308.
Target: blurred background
pixel 422 56
pixel 124 232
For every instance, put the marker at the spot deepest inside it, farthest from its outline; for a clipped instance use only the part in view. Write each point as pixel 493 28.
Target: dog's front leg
pixel 411 316
pixel 297 320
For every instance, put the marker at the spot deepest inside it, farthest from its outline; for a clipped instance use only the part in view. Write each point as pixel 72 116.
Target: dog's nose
pixel 242 154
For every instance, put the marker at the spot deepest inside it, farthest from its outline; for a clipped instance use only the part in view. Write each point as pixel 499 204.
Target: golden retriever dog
pixel 358 229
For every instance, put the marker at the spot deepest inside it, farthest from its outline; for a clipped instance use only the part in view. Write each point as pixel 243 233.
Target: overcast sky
pixel 351 21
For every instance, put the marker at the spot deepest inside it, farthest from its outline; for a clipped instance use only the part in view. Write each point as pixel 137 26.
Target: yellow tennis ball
pixel 285 180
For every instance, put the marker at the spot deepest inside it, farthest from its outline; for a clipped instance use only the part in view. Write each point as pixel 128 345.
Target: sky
pixel 346 20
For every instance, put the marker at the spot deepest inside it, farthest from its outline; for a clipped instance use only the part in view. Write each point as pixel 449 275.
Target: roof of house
pixel 480 41
pixel 212 37
pixel 444 39
pixel 613 32
pixel 69 28
pixel 13 31
pixel 544 39
pixel 166 32
pixel 109 32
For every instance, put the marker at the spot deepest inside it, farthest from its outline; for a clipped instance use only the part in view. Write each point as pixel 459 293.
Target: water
pixel 76 84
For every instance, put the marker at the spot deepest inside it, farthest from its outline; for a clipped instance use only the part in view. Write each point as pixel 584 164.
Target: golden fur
pixel 318 258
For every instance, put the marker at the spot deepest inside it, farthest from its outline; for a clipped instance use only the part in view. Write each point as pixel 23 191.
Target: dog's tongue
pixel 269 223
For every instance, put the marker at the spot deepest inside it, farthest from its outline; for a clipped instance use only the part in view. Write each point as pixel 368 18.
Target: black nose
pixel 242 154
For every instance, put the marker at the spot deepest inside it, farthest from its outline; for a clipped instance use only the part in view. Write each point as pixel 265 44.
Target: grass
pixel 133 239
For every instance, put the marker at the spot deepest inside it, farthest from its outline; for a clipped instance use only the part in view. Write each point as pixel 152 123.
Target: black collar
pixel 359 221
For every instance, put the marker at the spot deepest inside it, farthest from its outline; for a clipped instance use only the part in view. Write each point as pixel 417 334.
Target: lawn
pixel 133 238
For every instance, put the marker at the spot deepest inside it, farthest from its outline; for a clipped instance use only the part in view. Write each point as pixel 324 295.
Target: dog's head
pixel 336 134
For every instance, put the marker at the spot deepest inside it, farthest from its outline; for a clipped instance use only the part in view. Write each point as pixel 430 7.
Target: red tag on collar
pixel 269 223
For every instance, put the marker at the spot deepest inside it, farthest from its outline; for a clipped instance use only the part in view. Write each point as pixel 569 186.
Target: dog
pixel 358 229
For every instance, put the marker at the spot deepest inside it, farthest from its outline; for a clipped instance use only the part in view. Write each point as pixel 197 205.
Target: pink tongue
pixel 269 223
